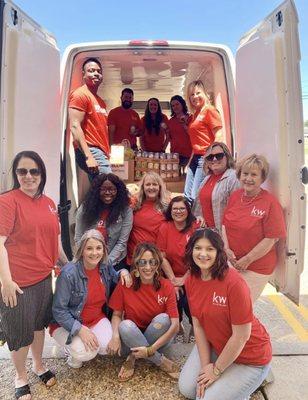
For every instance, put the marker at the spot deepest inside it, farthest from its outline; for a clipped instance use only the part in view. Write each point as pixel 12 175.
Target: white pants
pixel 256 283
pixel 76 348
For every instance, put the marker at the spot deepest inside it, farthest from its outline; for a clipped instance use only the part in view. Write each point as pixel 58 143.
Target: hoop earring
pixel 136 273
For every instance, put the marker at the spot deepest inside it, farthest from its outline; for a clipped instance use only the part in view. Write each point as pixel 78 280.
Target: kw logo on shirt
pixel 161 300
pixel 99 109
pixel 255 212
pixel 219 300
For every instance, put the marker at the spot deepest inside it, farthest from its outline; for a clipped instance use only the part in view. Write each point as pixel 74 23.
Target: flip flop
pixel 46 377
pixel 22 391
pixel 128 367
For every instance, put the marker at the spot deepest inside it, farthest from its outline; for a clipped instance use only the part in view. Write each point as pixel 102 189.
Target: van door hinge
pixel 65 208
pixel 291 254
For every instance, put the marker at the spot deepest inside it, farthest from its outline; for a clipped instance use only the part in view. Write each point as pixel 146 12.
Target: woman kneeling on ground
pixel 149 311
pixel 233 351
pixel 79 305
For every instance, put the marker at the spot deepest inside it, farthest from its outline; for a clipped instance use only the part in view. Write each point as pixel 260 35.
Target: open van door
pixel 269 121
pixel 30 94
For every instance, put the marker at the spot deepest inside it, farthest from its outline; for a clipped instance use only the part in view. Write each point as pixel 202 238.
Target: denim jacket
pixel 117 233
pixel 71 294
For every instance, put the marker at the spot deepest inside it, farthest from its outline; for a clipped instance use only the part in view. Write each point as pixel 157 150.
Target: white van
pixel 259 101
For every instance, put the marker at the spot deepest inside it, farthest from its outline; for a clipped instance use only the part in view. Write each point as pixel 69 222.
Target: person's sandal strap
pixel 128 365
pixel 46 377
pixel 22 391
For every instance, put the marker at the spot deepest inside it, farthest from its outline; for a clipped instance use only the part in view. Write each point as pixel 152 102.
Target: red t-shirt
pixel 32 229
pixel 173 242
pixel 201 129
pixel 122 120
pixel 152 141
pixel 220 304
pixel 247 222
pixel 205 197
pixel 92 311
pixel 142 305
pixel 101 223
pixel 179 138
pixel 94 124
pixel 146 223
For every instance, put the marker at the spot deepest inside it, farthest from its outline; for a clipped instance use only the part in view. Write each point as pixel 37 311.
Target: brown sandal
pixel 170 367
pixel 128 369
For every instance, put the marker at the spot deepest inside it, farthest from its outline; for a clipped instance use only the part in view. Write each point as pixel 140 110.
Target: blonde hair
pixel 198 84
pixel 254 160
pixel 163 198
pixel 90 234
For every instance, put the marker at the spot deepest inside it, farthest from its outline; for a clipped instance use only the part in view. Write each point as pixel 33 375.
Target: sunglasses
pixel 24 171
pixel 142 262
pixel 218 157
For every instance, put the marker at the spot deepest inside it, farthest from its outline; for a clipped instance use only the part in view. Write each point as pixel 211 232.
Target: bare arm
pixel 218 134
pixel 111 130
pixel 62 260
pixel 166 267
pixel 114 346
pixel 201 342
pixel 76 117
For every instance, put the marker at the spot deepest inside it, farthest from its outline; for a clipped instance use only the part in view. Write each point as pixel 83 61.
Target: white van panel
pixel 269 121
pixel 30 96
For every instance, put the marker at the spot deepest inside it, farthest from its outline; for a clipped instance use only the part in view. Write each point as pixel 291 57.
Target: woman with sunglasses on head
pixel 155 132
pixel 30 246
pixel 203 130
pixel 220 181
pixel 80 305
pixel 152 201
pixel 178 127
pixel 233 351
pixel 107 209
pixel 145 317
pixel 253 223
pixel 172 238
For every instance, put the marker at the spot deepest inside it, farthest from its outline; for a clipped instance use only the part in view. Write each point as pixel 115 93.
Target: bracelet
pixel 216 371
pixel 150 351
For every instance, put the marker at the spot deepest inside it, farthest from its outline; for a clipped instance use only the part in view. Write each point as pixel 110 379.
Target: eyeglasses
pixel 217 156
pixel 143 263
pixel 24 171
pixel 180 209
pixel 108 190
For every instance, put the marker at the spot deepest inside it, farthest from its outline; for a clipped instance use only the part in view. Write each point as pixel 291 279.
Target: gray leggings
pixel 132 336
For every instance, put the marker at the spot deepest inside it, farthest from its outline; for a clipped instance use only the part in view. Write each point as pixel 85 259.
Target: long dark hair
pixel 149 123
pixel 93 206
pixel 220 265
pixel 180 100
pixel 190 217
pixel 40 164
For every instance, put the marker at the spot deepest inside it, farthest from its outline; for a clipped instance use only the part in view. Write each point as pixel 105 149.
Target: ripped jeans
pixel 132 336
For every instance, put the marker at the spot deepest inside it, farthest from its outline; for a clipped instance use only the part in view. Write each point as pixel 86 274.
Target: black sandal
pixel 46 377
pixel 22 391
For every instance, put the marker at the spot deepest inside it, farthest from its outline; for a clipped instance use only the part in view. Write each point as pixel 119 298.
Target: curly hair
pixel 93 205
pixel 190 217
pixel 220 266
pixel 140 249
pixel 149 123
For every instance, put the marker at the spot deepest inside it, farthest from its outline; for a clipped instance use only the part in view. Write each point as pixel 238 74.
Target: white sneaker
pixel 73 363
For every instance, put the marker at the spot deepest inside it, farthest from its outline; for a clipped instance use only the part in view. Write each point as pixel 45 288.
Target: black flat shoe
pixel 22 391
pixel 46 377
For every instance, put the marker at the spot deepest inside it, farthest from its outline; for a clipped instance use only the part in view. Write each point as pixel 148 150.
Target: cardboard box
pixel 125 171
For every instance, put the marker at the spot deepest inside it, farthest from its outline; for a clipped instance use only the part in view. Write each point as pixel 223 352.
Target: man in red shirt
pixel 88 121
pixel 123 121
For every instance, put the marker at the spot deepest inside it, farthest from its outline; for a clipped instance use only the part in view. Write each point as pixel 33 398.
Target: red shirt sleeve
pixel 111 118
pixel 79 101
pixel 240 303
pixel 116 301
pixel 161 237
pixel 213 119
pixel 274 223
pixel 7 214
pixel 171 304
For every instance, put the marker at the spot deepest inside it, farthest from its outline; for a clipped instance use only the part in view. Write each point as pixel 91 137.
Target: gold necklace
pixel 250 200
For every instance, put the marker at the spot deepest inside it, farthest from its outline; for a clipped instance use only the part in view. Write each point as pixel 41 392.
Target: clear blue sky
pixel 220 21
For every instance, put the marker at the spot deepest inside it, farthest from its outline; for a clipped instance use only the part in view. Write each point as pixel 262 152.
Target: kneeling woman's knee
pixel 127 326
pixel 78 351
pixel 186 387
pixel 161 320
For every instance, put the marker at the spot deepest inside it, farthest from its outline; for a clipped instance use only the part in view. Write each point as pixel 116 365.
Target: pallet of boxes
pixel 165 164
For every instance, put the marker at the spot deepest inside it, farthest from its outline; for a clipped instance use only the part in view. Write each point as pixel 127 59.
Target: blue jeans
pixel 132 336
pixel 99 156
pixel 194 177
pixel 237 382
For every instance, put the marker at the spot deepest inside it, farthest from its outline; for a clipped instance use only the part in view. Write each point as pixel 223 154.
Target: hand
pixel 179 281
pixel 231 257
pixel 243 263
pixel 206 377
pixel 8 291
pixel 140 352
pixel 92 164
pixel 88 339
pixel 114 346
pixel 126 278
pixel 201 221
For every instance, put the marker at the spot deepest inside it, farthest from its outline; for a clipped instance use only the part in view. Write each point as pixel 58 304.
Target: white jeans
pixel 76 348
pixel 256 283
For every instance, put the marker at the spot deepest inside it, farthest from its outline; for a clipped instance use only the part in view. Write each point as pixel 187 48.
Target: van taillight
pixel 148 43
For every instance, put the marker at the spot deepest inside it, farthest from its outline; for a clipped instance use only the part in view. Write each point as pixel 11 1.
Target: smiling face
pixel 204 255
pixel 108 192
pixel 28 175
pixel 251 180
pixel 151 188
pixel 92 75
pixel 217 166
pixel 147 266
pixel 92 253
pixel 179 212
pixel 153 106
pixel 197 97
